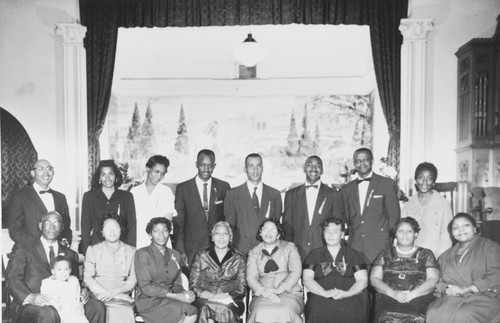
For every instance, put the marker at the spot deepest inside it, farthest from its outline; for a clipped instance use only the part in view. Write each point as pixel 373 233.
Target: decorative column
pixel 75 116
pixel 413 80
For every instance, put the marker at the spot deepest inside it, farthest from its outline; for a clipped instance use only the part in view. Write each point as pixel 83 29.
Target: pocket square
pixel 219 202
pixel 378 196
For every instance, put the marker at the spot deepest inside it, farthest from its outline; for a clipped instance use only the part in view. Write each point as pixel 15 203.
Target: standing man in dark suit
pixel 199 203
pixel 247 205
pixel 27 206
pixel 371 207
pixel 30 264
pixel 307 206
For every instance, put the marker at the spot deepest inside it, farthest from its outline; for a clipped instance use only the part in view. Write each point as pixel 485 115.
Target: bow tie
pixel 313 186
pixel 359 180
pixel 47 191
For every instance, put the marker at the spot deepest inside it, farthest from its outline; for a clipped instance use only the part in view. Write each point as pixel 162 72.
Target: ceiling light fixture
pixel 249 53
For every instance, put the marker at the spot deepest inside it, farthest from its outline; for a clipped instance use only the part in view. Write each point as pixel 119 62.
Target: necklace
pixel 405 252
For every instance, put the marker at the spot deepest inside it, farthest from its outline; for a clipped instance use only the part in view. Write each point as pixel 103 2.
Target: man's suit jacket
pixel 296 217
pixel 369 232
pixel 28 266
pixel 25 210
pixel 240 214
pixel 191 226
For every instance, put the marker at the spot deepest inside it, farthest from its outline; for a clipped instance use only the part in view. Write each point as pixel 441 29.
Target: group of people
pixel 357 254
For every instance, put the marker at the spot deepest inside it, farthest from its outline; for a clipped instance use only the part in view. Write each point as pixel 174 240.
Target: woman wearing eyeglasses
pixel 273 273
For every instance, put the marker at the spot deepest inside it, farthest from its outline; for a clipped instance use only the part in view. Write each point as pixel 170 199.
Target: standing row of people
pixel 368 205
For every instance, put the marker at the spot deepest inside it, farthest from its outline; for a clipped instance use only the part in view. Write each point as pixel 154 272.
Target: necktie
pixel 255 200
pixel 47 191
pixel 52 255
pixel 313 186
pixel 359 180
pixel 205 199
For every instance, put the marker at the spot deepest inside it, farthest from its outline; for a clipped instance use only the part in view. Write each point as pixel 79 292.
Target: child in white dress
pixel 65 291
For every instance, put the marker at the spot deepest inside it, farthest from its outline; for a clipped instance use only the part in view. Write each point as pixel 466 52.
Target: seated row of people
pixel 411 285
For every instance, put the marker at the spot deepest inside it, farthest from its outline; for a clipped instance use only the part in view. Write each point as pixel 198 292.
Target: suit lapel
pixel 41 255
pixel 196 194
pixel 302 206
pixel 213 197
pixel 320 203
pixel 355 197
pixel 33 195
pixel 265 203
pixel 369 192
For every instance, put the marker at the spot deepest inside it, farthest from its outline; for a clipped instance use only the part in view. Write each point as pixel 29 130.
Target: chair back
pixel 448 190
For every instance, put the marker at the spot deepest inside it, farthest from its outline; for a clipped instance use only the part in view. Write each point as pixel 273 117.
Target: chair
pixel 447 189
pixel 491 224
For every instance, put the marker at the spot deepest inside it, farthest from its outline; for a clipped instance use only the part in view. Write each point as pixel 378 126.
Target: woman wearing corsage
pixel 336 278
pixel 273 273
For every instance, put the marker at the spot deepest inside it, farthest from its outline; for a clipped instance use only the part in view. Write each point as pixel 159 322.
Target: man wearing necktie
pixel 249 204
pixel 27 206
pixel 371 207
pixel 30 264
pixel 307 206
pixel 199 205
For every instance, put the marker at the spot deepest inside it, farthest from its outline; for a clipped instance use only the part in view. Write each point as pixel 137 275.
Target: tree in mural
pixel 148 139
pixel 292 147
pixel 132 147
pixel 315 145
pixel 305 142
pixel 182 144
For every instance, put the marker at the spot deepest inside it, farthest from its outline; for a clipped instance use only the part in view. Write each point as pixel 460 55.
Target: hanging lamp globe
pixel 249 53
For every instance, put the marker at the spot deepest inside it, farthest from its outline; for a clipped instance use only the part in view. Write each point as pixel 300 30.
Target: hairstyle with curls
pixel 206 152
pixel 252 155
pixel 60 258
pixel 465 216
pixel 279 226
pixel 226 225
pixel 158 159
pixel 426 166
pixel 118 219
pixel 363 150
pixel 97 174
pixel 158 220
pixel 335 220
pixel 409 220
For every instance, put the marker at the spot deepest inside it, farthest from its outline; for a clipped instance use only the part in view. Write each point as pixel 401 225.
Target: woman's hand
pixel 108 295
pixel 454 290
pixel 270 295
pixel 400 296
pixel 187 296
pixel 338 294
pixel 223 298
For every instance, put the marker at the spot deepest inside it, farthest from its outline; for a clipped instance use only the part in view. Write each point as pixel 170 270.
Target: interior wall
pixel 31 78
pixel 455 23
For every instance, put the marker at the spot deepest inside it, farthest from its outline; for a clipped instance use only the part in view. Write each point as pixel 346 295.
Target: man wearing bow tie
pixel 371 207
pixel 307 206
pixel 30 264
pixel 27 206
pixel 199 203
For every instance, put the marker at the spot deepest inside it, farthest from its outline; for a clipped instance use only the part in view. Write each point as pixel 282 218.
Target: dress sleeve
pixel 294 268
pixel 491 277
pixel 380 260
pixel 143 266
pixel 311 260
pixel 240 283
pixel 194 276
pixel 429 258
pixel 253 272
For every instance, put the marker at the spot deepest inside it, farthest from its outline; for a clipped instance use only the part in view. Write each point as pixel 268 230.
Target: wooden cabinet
pixel 478 115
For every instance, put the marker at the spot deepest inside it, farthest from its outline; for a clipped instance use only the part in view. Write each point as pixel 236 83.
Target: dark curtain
pixel 103 18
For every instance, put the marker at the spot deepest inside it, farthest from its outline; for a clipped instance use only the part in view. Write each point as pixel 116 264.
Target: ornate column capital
pixel 71 33
pixel 415 29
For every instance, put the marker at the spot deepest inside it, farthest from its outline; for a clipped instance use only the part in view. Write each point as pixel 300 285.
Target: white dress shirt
pixel 251 188
pixel 312 196
pixel 46 246
pixel 47 198
pixel 199 184
pixel 363 189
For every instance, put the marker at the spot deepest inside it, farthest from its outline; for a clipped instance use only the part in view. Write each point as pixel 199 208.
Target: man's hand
pixel 184 260
pixel 40 300
pixel 84 296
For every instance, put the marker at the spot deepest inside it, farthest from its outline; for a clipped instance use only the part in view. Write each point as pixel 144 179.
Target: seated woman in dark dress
pixel 160 296
pixel 336 278
pixel 218 278
pixel 404 276
pixel 469 288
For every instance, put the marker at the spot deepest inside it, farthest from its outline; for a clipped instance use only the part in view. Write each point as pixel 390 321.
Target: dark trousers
pixel 95 311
